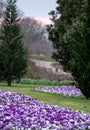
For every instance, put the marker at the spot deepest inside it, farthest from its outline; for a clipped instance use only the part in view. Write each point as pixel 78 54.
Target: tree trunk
pixel 9 82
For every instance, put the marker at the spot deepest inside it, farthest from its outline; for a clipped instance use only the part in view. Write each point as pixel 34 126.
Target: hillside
pixel 48 70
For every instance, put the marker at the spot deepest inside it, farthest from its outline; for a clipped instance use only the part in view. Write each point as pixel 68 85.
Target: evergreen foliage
pixel 70 35
pixel 13 57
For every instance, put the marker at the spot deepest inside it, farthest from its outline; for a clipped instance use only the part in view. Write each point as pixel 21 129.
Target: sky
pixel 37 9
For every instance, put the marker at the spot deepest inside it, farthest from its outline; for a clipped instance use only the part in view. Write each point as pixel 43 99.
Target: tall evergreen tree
pixel 62 19
pixel 13 57
pixel 70 36
pixel 80 49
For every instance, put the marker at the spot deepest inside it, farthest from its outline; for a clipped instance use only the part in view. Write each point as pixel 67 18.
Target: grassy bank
pixel 78 103
pixel 42 58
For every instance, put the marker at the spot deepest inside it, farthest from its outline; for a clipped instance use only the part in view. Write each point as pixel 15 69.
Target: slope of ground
pixel 49 70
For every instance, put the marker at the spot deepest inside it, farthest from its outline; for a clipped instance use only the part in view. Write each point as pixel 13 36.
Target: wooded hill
pixel 35 37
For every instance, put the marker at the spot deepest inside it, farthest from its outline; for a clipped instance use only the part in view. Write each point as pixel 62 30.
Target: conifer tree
pixel 13 57
pixel 70 34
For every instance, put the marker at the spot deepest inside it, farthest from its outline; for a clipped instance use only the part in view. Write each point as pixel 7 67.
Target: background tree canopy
pixel 35 36
pixel 2 6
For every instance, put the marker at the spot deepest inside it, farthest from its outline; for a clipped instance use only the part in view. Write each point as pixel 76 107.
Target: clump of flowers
pixel 20 112
pixel 65 90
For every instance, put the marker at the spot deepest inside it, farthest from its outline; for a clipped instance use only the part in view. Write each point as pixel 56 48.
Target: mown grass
pixel 42 58
pixel 78 103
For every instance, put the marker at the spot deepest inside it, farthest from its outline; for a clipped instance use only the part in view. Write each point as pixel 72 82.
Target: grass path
pixel 78 103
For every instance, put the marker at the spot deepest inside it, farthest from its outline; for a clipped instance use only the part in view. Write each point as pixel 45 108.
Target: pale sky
pixel 38 9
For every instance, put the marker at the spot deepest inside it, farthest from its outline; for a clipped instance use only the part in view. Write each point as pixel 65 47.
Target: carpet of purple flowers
pixel 20 112
pixel 65 90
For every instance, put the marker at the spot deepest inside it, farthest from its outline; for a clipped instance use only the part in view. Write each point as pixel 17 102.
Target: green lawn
pixel 79 103
pixel 42 58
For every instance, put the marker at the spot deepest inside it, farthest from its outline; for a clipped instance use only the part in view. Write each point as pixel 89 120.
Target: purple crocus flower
pixel 65 90
pixel 20 112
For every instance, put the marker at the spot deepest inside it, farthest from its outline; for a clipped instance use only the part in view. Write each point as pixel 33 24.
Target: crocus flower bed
pixel 20 112
pixel 65 90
